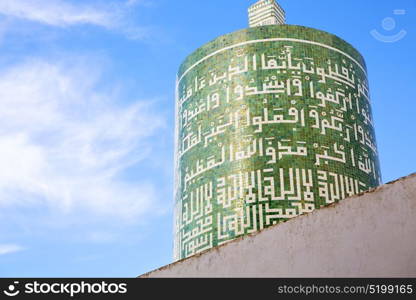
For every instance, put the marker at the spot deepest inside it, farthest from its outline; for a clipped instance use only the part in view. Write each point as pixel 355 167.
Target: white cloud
pixel 55 12
pixel 62 13
pixel 64 142
pixel 9 248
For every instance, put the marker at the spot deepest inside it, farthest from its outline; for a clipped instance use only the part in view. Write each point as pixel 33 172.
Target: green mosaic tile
pixel 271 122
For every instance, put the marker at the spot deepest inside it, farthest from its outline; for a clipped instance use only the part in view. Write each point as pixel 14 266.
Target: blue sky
pixel 87 117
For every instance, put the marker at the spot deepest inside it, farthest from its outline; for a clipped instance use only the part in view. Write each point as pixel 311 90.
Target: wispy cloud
pixel 9 248
pixel 113 15
pixel 56 12
pixel 65 142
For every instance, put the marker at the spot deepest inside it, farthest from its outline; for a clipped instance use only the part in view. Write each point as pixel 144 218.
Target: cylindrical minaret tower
pixel 271 122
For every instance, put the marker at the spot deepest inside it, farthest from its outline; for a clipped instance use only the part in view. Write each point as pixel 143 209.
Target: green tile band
pixel 271 122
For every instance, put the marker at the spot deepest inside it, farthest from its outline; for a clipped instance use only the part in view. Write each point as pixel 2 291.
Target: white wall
pixel 370 235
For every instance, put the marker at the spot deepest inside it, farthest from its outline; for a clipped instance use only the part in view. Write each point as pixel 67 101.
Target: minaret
pixel 265 12
pixel 272 122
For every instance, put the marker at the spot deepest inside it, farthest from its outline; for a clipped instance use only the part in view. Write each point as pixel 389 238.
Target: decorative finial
pixel 265 12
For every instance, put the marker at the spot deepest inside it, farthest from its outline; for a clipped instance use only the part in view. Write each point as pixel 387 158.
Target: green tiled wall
pixel 271 122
